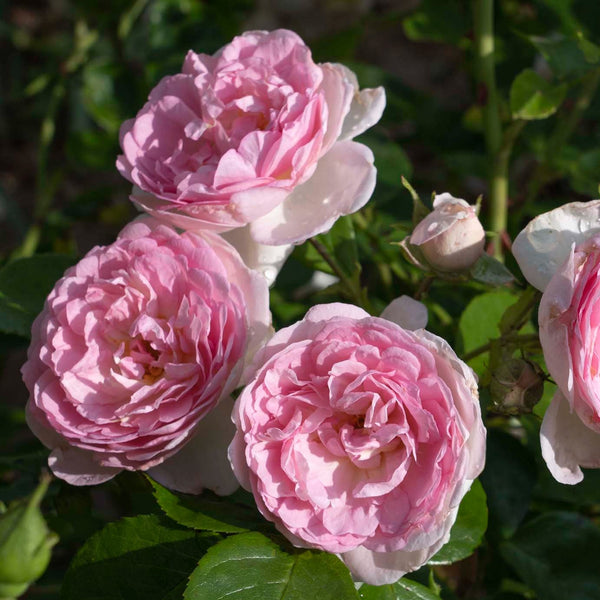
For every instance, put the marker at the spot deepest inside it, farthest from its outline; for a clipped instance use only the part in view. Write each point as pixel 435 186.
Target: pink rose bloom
pixel 256 134
pixel 136 344
pixel 360 437
pixel 451 237
pixel 559 253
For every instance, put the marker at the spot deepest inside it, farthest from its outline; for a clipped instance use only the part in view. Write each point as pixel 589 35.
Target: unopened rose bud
pixel 25 544
pixel 516 386
pixel 451 237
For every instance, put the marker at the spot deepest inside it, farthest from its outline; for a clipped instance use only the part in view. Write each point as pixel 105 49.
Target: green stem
pixel 423 288
pixel 529 338
pixel 498 183
pixel 352 288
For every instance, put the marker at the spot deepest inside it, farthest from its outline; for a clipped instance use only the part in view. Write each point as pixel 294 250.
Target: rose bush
pixel 559 253
pixel 451 236
pixel 359 437
pixel 256 134
pixel 134 347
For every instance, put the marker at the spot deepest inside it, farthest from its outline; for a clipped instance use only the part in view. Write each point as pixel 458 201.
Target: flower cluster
pixel 357 435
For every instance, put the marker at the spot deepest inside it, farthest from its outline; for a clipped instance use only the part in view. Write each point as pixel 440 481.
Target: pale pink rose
pixel 359 437
pixel 451 237
pixel 559 252
pixel 136 344
pixel 255 134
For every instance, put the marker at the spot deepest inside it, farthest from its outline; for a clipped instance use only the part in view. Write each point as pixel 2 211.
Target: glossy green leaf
pixel 490 271
pixel 24 285
pixel 478 323
pixel 404 589
pixel 142 557
pixel 532 97
pixel 206 511
pixel 467 532
pixel 249 566
pixel 556 554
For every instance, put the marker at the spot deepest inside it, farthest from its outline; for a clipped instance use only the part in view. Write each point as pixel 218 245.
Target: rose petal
pixel 381 568
pixel 543 246
pixel 366 108
pixel 339 85
pixel 202 463
pixel 78 467
pixel 267 260
pixel 554 332
pixel 343 182
pixel 567 444
pixel 406 312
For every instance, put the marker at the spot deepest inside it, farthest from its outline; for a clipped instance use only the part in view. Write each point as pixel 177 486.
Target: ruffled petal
pixel 544 245
pixel 567 444
pixel 406 312
pixel 202 463
pixel 343 182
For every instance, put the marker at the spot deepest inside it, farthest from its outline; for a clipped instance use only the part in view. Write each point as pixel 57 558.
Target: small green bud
pixel 25 543
pixel 516 387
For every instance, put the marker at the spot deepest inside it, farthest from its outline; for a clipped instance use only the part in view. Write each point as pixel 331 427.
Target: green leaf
pixel 556 554
pixel 468 530
pixel 590 50
pixel 340 244
pixel 142 557
pixel 518 314
pixel 340 240
pixel 249 566
pixel 490 271
pixel 207 511
pixel 390 159
pixel 583 170
pixel 532 97
pixel 404 589
pixel 98 96
pixel 24 285
pixel 438 22
pixel 478 323
pixel 565 55
pixel 508 480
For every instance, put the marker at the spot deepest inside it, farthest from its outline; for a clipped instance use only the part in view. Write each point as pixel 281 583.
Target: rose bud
pixel 25 544
pixel 360 437
pixel 516 387
pixel 451 237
